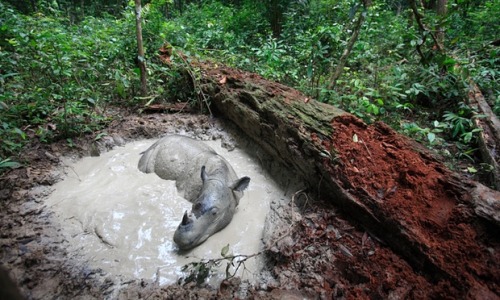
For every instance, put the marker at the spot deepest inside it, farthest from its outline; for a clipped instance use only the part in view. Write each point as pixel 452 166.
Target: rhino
pixel 202 177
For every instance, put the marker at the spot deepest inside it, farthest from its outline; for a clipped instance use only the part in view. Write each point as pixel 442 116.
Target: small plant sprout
pixel 200 271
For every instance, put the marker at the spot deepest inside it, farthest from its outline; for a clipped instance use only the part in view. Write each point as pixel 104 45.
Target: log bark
pixel 443 225
pixel 489 137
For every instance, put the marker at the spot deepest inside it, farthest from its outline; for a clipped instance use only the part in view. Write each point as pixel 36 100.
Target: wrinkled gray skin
pixel 215 194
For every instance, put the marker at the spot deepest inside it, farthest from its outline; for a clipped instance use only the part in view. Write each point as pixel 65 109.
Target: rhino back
pixel 171 155
pixel 180 158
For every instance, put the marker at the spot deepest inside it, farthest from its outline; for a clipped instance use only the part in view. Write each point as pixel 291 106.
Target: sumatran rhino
pixel 215 194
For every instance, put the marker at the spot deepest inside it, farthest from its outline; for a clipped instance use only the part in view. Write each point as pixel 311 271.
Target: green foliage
pixel 460 124
pixel 55 78
pixel 216 28
pixel 73 10
pixel 13 138
pixel 63 65
pixel 200 271
pixel 429 135
pixel 271 59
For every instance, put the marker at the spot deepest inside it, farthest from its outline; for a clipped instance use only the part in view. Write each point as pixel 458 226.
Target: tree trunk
pixel 350 44
pixel 441 12
pixel 275 15
pixel 140 53
pixel 444 225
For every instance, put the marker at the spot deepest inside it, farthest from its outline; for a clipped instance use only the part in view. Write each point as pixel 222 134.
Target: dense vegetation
pixel 64 65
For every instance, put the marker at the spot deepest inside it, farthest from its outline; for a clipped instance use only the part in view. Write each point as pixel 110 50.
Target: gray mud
pixel 123 220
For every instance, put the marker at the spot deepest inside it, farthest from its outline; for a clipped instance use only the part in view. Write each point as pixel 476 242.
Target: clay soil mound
pixel 416 190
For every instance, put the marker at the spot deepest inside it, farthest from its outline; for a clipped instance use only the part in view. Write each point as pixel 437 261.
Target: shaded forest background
pixel 66 65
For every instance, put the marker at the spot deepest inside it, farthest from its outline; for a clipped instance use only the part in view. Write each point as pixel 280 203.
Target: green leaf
pixel 449 61
pixel 467 137
pixel 431 137
pixel 100 135
pixel 7 163
pixel 456 130
pixel 224 250
pixel 309 71
pixel 471 170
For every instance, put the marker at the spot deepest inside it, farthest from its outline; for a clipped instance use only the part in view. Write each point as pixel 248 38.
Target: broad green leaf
pixel 7 163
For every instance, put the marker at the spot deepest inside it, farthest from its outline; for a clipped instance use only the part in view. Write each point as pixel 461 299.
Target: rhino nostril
pixel 185 219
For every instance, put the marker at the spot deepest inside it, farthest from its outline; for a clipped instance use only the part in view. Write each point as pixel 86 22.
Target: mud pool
pixel 122 221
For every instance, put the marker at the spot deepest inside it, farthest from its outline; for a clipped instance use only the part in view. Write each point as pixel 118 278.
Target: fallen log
pixel 444 225
pixel 489 136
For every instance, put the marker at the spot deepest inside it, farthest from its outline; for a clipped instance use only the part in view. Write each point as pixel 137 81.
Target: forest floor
pixel 313 250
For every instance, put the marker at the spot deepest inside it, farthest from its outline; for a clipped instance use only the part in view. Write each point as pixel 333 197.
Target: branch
pixel 423 29
pixel 347 51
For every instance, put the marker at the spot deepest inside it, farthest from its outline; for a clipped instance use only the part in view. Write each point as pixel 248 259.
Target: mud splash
pixel 122 221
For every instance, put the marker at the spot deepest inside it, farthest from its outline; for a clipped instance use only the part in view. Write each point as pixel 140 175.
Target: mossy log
pixel 443 225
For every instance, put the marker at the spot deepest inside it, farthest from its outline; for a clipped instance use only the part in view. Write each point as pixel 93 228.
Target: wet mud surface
pixel 312 251
pixel 123 220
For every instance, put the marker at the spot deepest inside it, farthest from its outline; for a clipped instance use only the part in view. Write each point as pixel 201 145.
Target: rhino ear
pixel 240 184
pixel 203 174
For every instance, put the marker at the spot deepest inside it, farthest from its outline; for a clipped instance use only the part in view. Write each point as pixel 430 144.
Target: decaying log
pixel 489 137
pixel 444 225
pixel 486 203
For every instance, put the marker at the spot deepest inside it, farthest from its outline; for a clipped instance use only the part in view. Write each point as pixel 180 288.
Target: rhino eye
pixel 214 210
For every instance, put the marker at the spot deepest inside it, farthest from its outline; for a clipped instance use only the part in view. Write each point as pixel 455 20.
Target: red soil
pixel 419 193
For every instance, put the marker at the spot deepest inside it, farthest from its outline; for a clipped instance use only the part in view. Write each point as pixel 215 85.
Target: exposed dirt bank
pixel 313 252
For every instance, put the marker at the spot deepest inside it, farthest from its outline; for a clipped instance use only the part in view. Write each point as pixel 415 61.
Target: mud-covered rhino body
pixel 215 194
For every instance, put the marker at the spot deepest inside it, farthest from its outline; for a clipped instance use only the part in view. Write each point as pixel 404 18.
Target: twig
pixel 369 153
pixel 72 169
pixel 421 26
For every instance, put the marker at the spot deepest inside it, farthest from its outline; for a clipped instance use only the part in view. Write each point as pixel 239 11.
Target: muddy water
pixel 122 221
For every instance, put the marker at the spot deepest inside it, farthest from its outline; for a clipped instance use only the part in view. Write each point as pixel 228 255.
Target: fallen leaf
pixel 364 239
pixel 224 250
pixel 345 250
pixel 223 80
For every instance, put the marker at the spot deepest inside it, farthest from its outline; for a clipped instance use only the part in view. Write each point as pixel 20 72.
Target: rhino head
pixel 212 210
